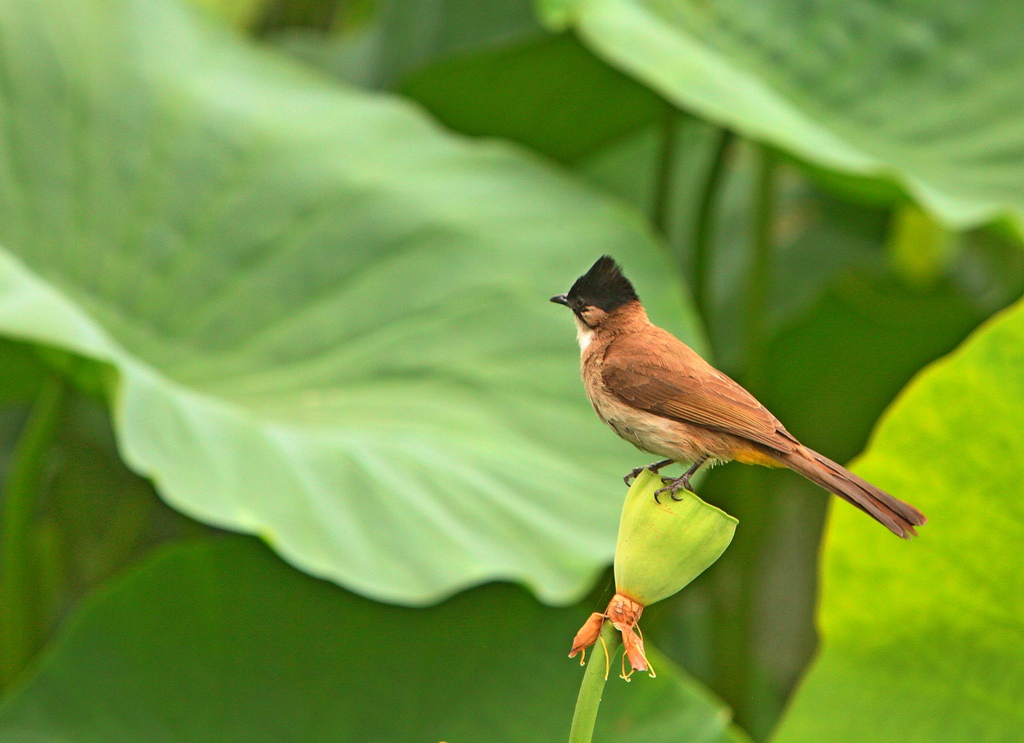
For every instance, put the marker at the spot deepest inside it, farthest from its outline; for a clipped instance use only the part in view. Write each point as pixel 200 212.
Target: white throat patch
pixel 584 334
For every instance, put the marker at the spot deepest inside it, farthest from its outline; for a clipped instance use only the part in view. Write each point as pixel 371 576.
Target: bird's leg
pixel 653 467
pixel 673 486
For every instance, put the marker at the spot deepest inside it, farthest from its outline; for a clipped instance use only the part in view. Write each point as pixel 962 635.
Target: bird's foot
pixel 653 467
pixel 673 485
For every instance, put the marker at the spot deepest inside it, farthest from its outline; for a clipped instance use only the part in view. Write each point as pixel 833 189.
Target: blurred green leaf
pixel 309 295
pixel 239 13
pixel 21 371
pixel 837 366
pixel 403 36
pixel 323 16
pixel 92 516
pixel 549 93
pixel 925 95
pixel 988 268
pixel 922 640
pixel 219 641
pixel 417 32
pixel 920 249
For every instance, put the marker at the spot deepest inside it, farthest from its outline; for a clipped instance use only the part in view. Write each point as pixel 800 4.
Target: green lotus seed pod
pixel 663 546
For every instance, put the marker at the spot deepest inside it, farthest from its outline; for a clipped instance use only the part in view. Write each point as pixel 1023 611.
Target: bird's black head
pixel 603 286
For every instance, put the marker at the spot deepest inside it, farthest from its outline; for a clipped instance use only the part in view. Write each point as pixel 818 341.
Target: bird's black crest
pixel 602 286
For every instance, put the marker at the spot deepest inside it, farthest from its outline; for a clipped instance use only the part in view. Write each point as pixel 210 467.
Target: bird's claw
pixel 653 467
pixel 672 486
pixel 633 474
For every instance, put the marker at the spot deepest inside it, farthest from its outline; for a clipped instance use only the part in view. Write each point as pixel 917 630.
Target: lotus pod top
pixel 663 546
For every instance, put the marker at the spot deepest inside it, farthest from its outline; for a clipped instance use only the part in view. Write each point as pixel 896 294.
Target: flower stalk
pixel 592 687
pixel 661 548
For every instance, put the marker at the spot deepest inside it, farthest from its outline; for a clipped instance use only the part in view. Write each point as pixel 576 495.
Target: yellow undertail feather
pixel 756 456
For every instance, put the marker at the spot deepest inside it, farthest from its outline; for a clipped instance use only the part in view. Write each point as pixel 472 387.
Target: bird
pixel 660 395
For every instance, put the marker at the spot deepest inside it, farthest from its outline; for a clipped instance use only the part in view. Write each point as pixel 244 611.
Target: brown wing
pixel 656 372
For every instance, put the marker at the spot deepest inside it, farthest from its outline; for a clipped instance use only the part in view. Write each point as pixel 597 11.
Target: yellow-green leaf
pixel 923 641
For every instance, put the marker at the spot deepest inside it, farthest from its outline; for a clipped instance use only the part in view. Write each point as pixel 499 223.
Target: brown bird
pixel 658 394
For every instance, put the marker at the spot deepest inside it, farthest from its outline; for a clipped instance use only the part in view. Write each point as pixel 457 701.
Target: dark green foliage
pixel 291 307
pixel 219 640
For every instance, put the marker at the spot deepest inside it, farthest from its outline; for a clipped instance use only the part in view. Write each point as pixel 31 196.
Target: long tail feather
pixel 899 517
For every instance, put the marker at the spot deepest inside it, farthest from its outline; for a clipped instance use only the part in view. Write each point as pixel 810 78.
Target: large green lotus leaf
pixel 927 95
pixel 922 640
pixel 220 641
pixel 329 319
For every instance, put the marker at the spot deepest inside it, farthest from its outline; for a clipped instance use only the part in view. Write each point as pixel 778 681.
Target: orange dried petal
pixel 634 645
pixel 588 633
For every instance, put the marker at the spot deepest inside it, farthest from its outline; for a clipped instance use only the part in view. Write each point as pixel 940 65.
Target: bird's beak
pixel 560 299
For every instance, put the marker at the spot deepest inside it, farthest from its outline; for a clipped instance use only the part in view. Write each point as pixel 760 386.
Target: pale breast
pixel 646 431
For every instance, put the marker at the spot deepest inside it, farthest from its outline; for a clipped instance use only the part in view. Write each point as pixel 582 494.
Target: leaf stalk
pixel 703 230
pixel 18 631
pixel 663 175
pixel 759 283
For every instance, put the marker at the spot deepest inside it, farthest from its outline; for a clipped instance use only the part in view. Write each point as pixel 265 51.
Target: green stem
pixel 759 284
pixel 592 688
pixel 17 629
pixel 663 174
pixel 704 226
